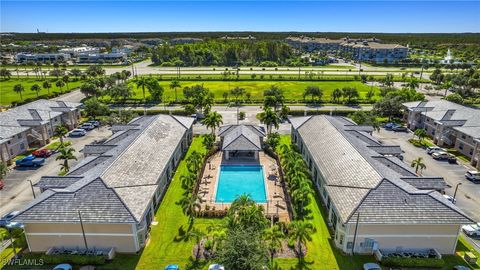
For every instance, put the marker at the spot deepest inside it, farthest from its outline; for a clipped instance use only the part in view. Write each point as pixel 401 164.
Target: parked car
pixel 63 266
pixel 6 218
pixel 95 123
pixel 216 267
pixel 450 198
pixel 472 230
pixel 399 128
pixel 371 266
pixel 433 149
pixel 172 267
pixel 30 161
pixel 473 176
pixel 45 153
pixel 77 133
pixel 461 267
pixel 2 184
pixel 452 159
pixel 440 155
pixel 87 126
pixel 390 125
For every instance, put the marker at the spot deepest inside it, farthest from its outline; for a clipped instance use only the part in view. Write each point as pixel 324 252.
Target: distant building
pixel 249 37
pixel 450 125
pixel 76 51
pixel 187 40
pixel 127 49
pixel 42 57
pixel 33 124
pixel 113 57
pixel 367 50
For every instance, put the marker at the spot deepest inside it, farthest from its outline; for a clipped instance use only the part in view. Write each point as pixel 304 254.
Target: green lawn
pixel 293 89
pixel 7 95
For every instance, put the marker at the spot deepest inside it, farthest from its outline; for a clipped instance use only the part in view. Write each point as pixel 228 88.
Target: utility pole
pixel 355 234
pixel 455 193
pixel 31 186
pixel 83 230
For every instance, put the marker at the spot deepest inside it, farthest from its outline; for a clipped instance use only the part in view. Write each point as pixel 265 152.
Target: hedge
pixel 413 262
pixel 73 259
pixel 344 112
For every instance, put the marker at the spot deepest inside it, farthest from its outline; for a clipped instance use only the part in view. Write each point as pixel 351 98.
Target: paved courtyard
pixel 276 203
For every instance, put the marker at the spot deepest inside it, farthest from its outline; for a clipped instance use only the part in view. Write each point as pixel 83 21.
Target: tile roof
pixel 115 186
pixel 360 180
pixel 241 138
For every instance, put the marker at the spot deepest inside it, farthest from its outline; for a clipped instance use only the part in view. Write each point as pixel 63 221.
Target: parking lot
pixel 468 194
pixel 17 191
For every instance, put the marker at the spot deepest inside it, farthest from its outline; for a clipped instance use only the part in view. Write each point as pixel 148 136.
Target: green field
pixel 7 95
pixel 293 90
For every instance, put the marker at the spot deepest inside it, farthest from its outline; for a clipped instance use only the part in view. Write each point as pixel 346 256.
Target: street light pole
pixel 456 189
pixel 31 186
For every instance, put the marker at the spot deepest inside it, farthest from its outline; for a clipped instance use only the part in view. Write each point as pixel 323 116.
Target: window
pixel 349 245
pixel 19 136
pixel 22 146
pixel 460 146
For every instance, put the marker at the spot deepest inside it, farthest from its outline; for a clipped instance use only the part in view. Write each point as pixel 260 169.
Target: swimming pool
pixel 237 180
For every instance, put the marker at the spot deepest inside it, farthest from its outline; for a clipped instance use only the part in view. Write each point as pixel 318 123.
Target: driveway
pixel 17 191
pixel 468 194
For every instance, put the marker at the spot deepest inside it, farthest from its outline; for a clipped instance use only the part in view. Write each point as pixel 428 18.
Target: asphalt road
pixel 468 194
pixel 17 191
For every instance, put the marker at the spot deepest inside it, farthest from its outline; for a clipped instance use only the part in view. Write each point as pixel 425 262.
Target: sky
pixel 310 16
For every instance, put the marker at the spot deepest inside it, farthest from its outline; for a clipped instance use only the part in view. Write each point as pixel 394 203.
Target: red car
pixel 1 184
pixel 44 153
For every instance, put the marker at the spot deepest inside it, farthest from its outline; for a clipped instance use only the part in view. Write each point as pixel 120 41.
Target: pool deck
pixel 276 204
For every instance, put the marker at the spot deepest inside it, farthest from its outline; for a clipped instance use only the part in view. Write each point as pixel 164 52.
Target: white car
pixel 433 149
pixel 473 176
pixel 371 266
pixel 77 133
pixel 87 126
pixel 472 230
pixel 450 198
pixel 440 155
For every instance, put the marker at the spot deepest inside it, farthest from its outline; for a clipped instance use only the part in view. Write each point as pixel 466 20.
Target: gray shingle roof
pixel 466 119
pixel 48 182
pixel 435 183
pixel 241 138
pixel 117 185
pixel 359 179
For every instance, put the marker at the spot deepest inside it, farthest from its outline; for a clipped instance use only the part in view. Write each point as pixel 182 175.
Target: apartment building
pixel 109 199
pixel 449 124
pixel 113 57
pixel 33 124
pixel 42 57
pixel 76 51
pixel 375 202
pixel 367 50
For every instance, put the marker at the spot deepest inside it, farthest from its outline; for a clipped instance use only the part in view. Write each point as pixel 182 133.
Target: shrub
pixel 413 262
pixel 73 259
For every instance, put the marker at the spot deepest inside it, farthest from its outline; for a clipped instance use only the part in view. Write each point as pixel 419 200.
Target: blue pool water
pixel 237 180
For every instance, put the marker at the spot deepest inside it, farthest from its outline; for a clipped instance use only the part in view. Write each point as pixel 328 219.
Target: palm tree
pixel 190 206
pixel 273 237
pixel 66 79
pixel 270 119
pixel 188 180
pixel 198 236
pixel 143 82
pixel 47 85
pixel 66 154
pixel 60 84
pixel 174 85
pixel 213 120
pixel 36 88
pixel 420 133
pixel 60 132
pixel 418 164
pixel 3 170
pixel 18 88
pixel 413 83
pixel 301 231
pixel 194 162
